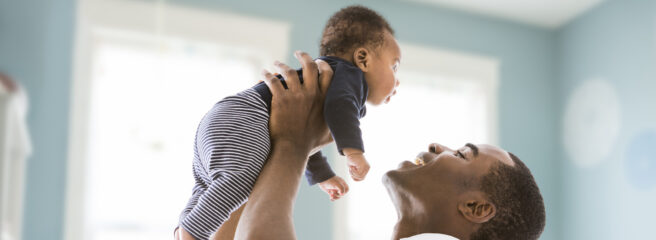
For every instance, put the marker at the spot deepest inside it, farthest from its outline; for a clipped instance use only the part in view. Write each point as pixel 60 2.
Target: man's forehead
pixel 497 153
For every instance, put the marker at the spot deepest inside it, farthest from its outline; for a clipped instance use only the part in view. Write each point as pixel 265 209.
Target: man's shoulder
pixel 430 236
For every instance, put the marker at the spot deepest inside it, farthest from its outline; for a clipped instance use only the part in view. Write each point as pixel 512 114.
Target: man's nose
pixel 427 157
pixel 437 148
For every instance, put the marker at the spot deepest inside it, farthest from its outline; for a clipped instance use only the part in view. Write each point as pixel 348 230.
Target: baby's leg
pixel 233 144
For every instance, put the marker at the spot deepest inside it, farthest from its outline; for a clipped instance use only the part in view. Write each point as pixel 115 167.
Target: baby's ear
pixel 362 58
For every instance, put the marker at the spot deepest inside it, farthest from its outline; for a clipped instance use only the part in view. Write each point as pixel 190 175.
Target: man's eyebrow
pixel 473 148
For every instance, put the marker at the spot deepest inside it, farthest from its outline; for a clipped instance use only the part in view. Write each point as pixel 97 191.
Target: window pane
pixel 147 101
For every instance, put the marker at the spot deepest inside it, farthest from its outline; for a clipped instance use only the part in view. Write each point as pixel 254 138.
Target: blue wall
pixel 36 42
pixel 615 42
pixel 36 45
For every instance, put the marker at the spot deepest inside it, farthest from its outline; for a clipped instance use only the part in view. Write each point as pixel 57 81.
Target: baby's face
pixel 381 77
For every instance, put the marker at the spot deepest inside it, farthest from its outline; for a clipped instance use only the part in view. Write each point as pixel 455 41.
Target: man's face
pixel 440 175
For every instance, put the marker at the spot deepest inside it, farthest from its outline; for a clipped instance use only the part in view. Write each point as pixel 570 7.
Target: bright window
pixel 145 106
pixel 139 96
pixel 444 97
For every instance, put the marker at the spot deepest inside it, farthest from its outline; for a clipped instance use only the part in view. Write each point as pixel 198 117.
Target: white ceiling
pixel 545 13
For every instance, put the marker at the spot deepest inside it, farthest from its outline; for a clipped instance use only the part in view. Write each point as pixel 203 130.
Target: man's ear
pixel 476 208
pixel 362 58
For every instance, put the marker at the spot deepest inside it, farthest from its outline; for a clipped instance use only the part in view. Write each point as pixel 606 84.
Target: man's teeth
pixel 419 161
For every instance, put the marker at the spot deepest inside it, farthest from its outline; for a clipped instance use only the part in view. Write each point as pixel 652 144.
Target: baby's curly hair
pixel 352 27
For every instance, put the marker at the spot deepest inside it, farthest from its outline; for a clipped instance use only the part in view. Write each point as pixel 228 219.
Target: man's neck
pixel 418 220
pixel 407 228
pixel 414 220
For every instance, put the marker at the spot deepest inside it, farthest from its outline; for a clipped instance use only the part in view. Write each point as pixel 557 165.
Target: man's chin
pixel 394 174
pixel 389 178
pixel 393 178
pixel 395 184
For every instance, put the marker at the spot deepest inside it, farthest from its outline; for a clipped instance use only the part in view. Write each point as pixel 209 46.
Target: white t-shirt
pixel 430 236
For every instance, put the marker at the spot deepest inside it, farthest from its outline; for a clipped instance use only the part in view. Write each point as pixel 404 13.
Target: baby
pixel 232 140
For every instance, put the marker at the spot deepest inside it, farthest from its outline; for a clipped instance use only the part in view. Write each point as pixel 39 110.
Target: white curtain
pixel 15 147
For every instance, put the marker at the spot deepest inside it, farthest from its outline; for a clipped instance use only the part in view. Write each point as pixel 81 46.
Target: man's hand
pixel 297 112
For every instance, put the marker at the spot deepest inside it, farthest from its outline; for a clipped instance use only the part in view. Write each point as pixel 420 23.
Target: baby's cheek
pixel 391 85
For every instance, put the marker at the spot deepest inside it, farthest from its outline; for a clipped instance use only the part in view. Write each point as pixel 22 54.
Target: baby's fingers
pixel 365 170
pixel 356 173
pixel 334 195
pixel 343 186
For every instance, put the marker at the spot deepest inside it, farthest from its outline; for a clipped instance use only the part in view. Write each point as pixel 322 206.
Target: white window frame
pixel 154 18
pixel 446 64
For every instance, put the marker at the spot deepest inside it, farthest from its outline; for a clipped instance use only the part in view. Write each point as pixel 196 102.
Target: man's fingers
pixel 273 83
pixel 310 69
pixel 326 75
pixel 289 74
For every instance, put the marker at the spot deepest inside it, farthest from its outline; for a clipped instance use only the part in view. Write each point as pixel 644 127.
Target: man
pixel 475 192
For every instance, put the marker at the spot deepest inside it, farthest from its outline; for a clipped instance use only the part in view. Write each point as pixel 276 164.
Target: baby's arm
pixel 357 163
pixel 343 108
pixel 318 169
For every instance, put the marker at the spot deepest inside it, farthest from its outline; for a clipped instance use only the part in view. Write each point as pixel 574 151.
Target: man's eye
pixel 459 154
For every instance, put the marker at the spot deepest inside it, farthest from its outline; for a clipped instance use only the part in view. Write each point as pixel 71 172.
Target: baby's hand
pixel 357 164
pixel 335 187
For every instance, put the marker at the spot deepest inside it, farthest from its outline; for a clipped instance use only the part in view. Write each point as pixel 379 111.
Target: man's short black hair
pixel 520 208
pixel 352 27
